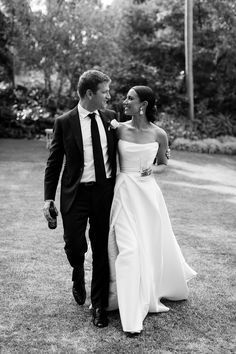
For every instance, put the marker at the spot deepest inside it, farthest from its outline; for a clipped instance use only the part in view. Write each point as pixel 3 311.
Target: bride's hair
pixel 145 93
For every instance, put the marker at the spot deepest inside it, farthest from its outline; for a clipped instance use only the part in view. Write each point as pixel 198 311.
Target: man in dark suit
pixel 84 140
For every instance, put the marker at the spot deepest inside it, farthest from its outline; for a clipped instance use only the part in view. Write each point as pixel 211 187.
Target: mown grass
pixel 37 311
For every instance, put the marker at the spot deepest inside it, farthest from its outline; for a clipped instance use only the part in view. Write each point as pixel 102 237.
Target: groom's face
pixel 102 96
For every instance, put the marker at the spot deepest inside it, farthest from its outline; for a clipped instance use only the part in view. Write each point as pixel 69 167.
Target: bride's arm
pixel 118 136
pixel 162 160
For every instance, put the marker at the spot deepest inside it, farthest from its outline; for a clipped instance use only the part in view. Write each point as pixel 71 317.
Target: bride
pixel 146 263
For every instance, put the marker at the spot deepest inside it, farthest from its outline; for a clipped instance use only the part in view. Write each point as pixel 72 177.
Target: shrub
pixel 227 139
pixel 210 146
pixel 229 148
pixel 210 125
pixel 175 127
pixel 198 146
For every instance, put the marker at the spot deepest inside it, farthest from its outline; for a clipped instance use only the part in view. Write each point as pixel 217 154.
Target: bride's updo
pixel 145 93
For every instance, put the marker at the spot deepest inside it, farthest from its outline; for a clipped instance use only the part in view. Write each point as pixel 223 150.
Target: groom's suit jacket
pixel 67 148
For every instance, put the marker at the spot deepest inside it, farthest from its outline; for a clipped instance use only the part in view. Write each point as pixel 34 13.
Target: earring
pixel 141 111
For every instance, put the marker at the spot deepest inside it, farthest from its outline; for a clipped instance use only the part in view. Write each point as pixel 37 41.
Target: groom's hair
pixel 90 80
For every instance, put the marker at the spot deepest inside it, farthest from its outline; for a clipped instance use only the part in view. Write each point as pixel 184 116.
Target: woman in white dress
pixel 146 263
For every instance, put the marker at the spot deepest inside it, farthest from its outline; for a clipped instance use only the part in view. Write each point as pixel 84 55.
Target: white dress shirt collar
pixel 83 113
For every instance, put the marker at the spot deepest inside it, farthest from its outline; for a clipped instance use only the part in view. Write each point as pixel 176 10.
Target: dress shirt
pixel 85 122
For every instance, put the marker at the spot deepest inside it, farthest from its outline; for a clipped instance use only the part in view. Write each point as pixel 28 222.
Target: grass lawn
pixel 37 311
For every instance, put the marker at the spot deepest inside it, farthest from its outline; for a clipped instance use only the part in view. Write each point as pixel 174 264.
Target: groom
pixel 85 147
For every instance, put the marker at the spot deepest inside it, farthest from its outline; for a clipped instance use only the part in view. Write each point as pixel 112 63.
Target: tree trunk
pixel 189 56
pixel 13 46
pixel 47 80
pixel 61 80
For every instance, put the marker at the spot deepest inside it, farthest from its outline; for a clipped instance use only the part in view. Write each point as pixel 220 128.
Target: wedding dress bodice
pixel 133 156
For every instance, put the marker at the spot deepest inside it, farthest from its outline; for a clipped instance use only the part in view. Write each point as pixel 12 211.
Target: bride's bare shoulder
pixel 159 131
pixel 160 134
pixel 124 125
pixel 127 123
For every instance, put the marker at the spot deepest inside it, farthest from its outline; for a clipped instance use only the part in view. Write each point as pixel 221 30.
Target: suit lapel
pixel 76 129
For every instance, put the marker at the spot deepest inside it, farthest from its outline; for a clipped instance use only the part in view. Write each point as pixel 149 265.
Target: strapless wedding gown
pixel 146 263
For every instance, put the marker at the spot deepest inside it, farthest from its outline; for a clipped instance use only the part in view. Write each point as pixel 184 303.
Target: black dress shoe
pixel 132 334
pixel 100 317
pixel 79 292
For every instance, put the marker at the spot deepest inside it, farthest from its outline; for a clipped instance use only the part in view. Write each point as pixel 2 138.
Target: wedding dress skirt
pixel 146 263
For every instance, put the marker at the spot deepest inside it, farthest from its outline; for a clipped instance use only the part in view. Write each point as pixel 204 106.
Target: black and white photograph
pixel 117 176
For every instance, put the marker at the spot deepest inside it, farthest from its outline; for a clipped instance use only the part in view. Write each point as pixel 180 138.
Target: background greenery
pixel 135 42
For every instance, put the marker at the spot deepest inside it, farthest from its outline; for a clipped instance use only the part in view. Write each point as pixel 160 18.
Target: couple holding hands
pixel 136 260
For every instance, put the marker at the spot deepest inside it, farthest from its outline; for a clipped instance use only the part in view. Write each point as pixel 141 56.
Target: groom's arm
pixel 54 162
pixel 53 170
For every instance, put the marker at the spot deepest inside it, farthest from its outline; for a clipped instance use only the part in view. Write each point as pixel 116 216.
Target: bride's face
pixel 132 103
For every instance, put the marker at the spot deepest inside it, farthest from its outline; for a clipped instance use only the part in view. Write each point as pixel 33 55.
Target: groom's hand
pixel 46 210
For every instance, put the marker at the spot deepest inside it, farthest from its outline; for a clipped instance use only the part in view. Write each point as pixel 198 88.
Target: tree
pixel 70 38
pixel 214 52
pixel 134 42
pixel 152 34
pixel 18 16
pixel 6 62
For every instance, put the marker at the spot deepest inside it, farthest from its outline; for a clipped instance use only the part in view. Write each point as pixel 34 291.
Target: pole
pixel 189 56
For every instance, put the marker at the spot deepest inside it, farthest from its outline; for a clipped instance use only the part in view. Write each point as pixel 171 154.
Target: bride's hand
pixel 168 153
pixel 146 172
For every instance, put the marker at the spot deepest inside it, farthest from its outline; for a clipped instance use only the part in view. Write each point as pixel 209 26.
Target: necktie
pixel 100 172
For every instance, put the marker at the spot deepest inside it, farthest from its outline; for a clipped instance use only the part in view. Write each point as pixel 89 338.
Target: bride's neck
pixel 139 122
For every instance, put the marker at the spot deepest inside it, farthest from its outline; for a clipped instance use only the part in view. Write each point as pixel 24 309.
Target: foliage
pixel 212 125
pixel 153 34
pixel 135 42
pixel 70 38
pixel 214 56
pixel 6 65
pixel 209 145
pixel 30 112
pixel 175 127
pixel 18 18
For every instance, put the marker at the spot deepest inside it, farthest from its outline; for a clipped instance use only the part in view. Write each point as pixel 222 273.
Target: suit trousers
pixel 93 203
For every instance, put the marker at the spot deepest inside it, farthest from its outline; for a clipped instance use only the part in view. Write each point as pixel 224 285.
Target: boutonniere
pixel 113 124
